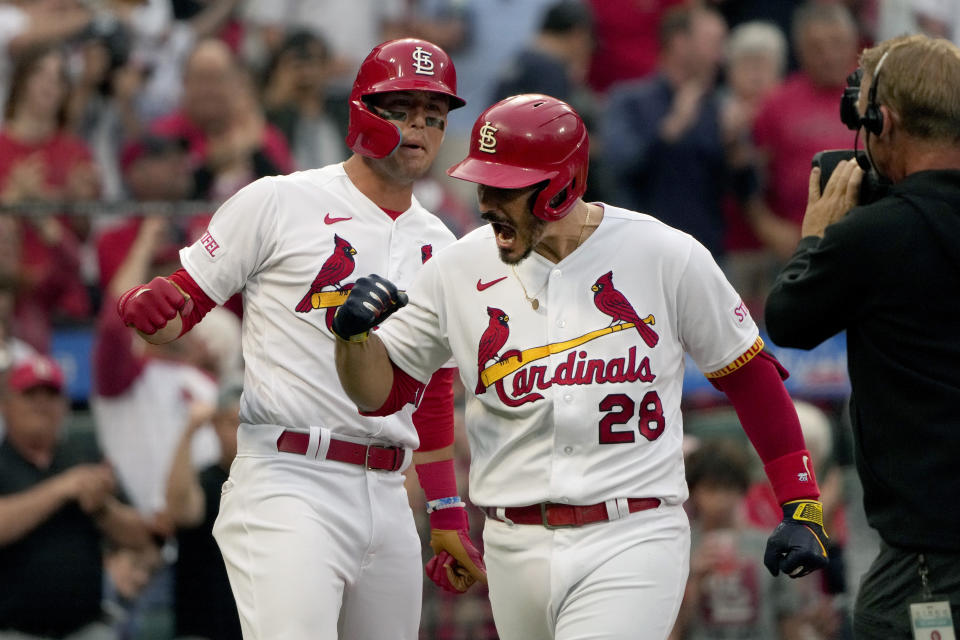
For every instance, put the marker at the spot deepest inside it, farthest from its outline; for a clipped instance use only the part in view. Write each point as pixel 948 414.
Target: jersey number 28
pixel 620 408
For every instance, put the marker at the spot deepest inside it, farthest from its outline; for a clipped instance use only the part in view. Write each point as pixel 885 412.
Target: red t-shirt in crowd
pixel 794 122
pixel 627 42
pixel 51 281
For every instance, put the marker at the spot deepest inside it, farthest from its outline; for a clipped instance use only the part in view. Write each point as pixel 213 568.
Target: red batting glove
pixel 457 564
pixel 149 307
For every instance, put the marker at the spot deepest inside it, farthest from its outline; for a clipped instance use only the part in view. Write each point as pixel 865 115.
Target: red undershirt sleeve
pixel 434 417
pixel 770 421
pixel 405 389
pixel 202 304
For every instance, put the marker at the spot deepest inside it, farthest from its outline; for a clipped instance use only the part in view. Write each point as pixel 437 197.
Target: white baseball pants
pixel 317 549
pixel 617 580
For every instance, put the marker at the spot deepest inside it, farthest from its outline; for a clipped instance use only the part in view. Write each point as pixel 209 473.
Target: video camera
pixel 873 187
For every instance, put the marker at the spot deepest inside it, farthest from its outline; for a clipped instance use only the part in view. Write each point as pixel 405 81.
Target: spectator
pixel 155 169
pixel 128 571
pixel 799 119
pixel 102 109
pixel 40 162
pixel 40 23
pixel 781 13
pixel 938 18
pixel 141 398
pixel 479 64
pixel 729 594
pixel 204 604
pixel 57 502
pixel 556 61
pixel 755 63
pixel 230 143
pixel 352 27
pixel 295 101
pixel 141 404
pixel 662 145
pixel 162 46
pixel 626 34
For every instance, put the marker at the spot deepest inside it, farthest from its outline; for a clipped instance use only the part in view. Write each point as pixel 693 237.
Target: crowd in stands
pixel 126 122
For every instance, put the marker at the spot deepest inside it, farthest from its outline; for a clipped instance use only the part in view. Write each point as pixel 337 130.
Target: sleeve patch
pixel 211 246
pixel 747 356
pixel 741 313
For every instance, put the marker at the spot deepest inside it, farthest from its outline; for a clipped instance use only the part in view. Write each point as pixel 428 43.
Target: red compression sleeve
pixel 201 301
pixel 405 389
pixel 439 480
pixel 434 416
pixel 770 421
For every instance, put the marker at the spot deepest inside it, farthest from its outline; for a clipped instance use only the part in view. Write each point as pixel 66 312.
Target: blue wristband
pixel 444 503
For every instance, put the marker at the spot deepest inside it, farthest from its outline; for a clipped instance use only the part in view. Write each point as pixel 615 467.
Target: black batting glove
pixel 798 545
pixel 371 301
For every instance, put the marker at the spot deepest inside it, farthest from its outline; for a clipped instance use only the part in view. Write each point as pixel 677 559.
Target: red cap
pixel 36 371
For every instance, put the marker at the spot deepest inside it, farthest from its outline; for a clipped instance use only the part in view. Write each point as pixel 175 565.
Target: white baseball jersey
pixel 577 401
pixel 291 243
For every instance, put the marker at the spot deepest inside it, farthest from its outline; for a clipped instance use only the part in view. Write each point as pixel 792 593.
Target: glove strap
pixel 804 511
pixel 356 339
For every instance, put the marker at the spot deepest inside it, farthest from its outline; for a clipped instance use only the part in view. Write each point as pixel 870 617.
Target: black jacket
pixel 889 274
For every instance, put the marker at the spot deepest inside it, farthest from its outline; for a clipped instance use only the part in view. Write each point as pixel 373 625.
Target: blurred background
pixel 125 123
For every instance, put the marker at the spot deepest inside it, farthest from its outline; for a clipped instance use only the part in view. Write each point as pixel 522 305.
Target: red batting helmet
pixel 525 140
pixel 409 64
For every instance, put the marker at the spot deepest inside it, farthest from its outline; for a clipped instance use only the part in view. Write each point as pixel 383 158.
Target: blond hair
pixel 920 81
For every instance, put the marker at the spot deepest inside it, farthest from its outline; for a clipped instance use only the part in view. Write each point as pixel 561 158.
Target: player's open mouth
pixel 505 233
pixel 412 147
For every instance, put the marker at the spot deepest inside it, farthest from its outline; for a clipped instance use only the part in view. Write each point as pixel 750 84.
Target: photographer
pixel 888 273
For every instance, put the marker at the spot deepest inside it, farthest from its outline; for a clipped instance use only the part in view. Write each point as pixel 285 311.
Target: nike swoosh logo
pixel 486 285
pixel 328 220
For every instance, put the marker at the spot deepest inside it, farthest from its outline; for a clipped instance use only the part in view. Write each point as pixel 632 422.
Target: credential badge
pixel 422 62
pixel 488 141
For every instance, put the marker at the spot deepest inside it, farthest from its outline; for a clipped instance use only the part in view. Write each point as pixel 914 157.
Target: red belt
pixel 370 456
pixel 553 514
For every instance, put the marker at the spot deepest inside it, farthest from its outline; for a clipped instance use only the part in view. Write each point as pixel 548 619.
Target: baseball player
pixel 314 523
pixel 569 321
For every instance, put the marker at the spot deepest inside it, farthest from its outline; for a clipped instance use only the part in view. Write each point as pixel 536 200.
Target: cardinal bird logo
pixel 615 304
pixel 426 252
pixel 335 269
pixel 492 340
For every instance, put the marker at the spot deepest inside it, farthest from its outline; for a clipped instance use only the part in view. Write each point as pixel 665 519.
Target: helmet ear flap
pixel 369 134
pixel 551 203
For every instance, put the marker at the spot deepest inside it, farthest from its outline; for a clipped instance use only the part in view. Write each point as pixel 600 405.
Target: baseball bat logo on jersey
pixel 615 304
pixel 426 252
pixel 422 62
pixel 336 268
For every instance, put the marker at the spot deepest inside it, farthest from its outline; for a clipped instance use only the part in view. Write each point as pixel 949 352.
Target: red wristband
pixel 450 518
pixel 792 477
pixel 437 479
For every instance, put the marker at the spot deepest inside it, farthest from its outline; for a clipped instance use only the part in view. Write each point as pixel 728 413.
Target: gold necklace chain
pixel 534 301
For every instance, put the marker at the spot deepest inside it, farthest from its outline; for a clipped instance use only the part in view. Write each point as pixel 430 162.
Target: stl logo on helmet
pixel 422 62
pixel 488 141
